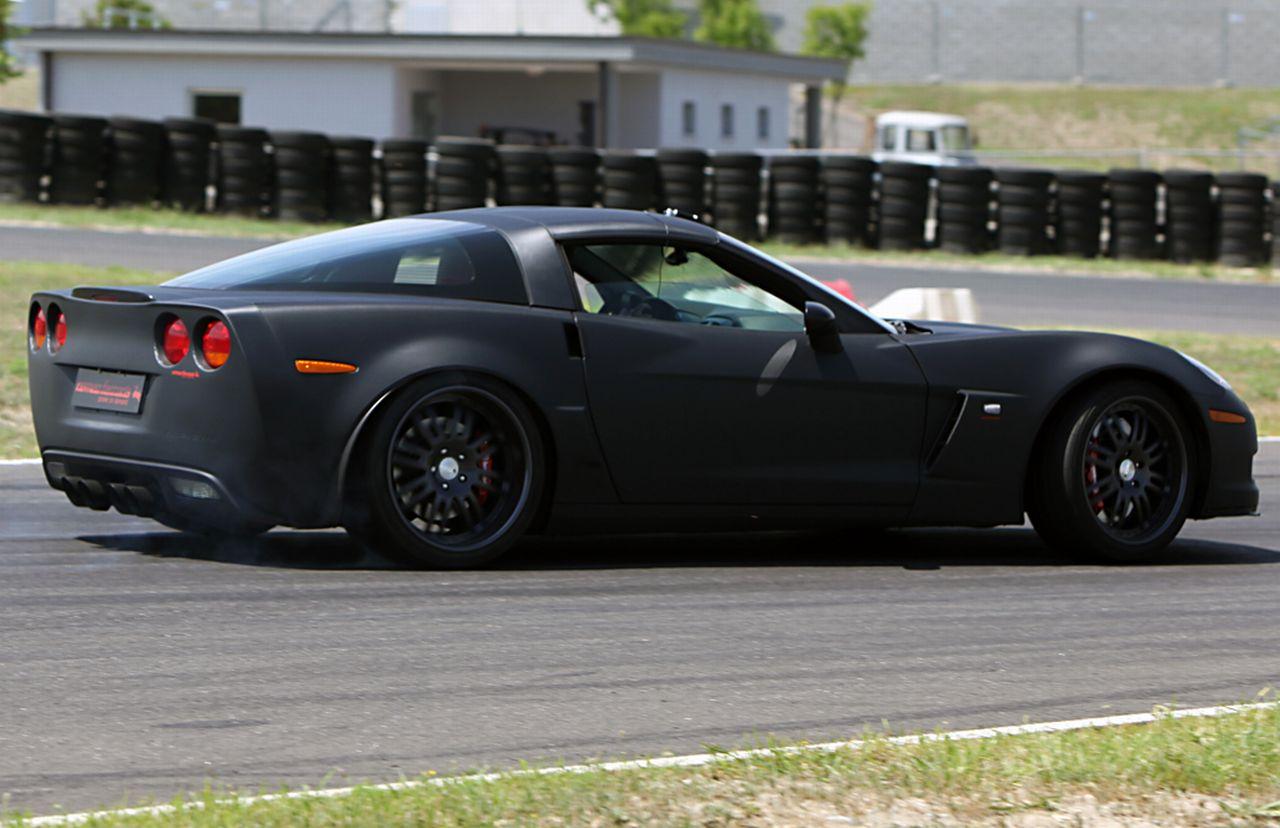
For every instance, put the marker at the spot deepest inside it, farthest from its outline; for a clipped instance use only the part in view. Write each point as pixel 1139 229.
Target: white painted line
pixel 29 461
pixel 689 761
pixel 1269 439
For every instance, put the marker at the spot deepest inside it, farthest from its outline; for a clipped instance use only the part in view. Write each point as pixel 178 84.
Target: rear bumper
pixel 148 489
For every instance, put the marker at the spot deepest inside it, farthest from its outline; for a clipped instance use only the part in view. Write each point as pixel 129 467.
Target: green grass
pixel 147 219
pixel 1049 117
pixel 1023 264
pixel 1251 364
pixel 1174 771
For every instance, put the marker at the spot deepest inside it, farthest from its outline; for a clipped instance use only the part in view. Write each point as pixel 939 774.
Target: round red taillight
pixel 39 330
pixel 215 344
pixel 175 342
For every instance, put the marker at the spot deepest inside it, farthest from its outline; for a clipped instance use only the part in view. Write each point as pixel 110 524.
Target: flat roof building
pixel 620 92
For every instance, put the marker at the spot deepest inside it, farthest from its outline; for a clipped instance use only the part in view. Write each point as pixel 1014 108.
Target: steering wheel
pixel 641 307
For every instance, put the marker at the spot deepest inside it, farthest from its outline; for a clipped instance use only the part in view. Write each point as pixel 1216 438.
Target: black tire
pixel 487 434
pixel 1115 447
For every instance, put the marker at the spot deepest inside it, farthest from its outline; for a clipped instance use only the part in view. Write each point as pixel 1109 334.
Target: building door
pixel 422 115
pixel 586 123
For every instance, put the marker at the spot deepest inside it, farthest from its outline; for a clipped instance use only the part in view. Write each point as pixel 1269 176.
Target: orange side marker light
pixel 321 366
pixel 1226 417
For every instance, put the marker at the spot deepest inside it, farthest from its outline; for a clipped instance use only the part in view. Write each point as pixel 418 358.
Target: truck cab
pixel 931 138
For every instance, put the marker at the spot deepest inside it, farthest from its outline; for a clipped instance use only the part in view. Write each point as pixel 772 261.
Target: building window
pixel 689 119
pixel 223 107
pixel 762 123
pixel 726 121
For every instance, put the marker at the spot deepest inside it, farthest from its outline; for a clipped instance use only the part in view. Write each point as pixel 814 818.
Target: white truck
pixel 932 138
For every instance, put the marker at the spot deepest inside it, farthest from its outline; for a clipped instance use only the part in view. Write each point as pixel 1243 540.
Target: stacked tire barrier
pixel 136 150
pixel 1189 215
pixel 1275 222
pixel 351 184
pixel 682 180
pixel 1079 215
pixel 303 162
pixel 630 181
pixel 76 160
pixel 524 176
pixel 793 199
pixel 575 176
pixel 463 168
pixel 904 205
pixel 735 193
pixel 24 144
pixel 1242 219
pixel 188 162
pixel 848 184
pixel 245 179
pixel 964 209
pixel 1135 228
pixel 404 177
pixel 1025 211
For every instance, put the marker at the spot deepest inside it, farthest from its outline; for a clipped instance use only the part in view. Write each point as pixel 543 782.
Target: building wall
pixel 470 100
pixel 340 97
pixel 709 92
pixel 639 103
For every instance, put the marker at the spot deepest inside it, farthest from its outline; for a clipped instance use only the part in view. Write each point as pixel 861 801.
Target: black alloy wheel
pixel 455 474
pixel 1114 476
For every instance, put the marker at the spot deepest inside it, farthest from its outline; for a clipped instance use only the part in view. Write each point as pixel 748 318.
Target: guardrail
pixel 793 197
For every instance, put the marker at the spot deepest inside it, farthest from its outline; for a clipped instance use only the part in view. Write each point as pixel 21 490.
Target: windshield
pixel 955 138
pixel 453 259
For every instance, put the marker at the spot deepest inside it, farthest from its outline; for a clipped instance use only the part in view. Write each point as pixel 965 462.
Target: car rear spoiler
pixel 103 294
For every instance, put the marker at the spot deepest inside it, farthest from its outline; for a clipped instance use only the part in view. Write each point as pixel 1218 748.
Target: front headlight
pixel 1207 371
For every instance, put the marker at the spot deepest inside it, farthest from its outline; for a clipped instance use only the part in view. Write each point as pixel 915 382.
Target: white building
pixel 603 90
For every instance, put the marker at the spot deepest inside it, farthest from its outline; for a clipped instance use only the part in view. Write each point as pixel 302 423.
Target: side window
pixel 921 140
pixel 675 284
pixel 888 138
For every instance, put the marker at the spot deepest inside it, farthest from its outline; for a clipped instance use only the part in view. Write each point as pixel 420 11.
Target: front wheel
pixel 454 473
pixel 1114 477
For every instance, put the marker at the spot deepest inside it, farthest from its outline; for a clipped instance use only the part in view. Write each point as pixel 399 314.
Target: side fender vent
pixel 948 429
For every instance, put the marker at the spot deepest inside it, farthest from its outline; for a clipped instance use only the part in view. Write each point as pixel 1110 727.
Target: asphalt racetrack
pixel 136 663
pixel 1018 299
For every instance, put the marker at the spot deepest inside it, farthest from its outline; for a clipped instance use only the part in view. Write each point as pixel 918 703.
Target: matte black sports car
pixel 442 385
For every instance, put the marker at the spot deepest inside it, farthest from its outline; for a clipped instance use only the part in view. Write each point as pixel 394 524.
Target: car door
pixel 705 389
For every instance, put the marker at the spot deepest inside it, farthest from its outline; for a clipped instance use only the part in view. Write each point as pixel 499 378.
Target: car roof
pixel 914 118
pixel 568 223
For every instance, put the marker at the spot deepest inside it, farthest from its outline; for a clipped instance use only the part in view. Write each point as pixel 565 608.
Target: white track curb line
pixel 690 761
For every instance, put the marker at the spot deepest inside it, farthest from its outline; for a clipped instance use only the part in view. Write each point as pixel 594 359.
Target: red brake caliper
pixel 482 495
pixel 1091 475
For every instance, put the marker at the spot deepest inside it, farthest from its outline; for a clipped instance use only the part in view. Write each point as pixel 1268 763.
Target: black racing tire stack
pixel 904 205
pixel 24 150
pixel 352 176
pixel 964 209
pixel 136 159
pixel 1275 223
pixel 1134 213
pixel 682 180
pixel 1078 231
pixel 244 171
pixel 76 162
pixel 736 188
pixel 848 184
pixel 630 181
pixel 524 175
pixel 404 177
pixel 1025 211
pixel 575 176
pixel 303 163
pixel 793 199
pixel 462 172
pixel 1189 215
pixel 1242 219
pixel 188 163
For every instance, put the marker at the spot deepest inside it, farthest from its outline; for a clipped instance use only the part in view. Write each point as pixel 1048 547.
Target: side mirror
pixel 820 325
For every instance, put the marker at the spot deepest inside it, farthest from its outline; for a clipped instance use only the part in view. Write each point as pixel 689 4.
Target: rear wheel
pixel 454 473
pixel 1114 476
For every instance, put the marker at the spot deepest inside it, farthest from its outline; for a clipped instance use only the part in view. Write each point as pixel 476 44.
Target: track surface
pixel 137 663
pixel 1003 298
